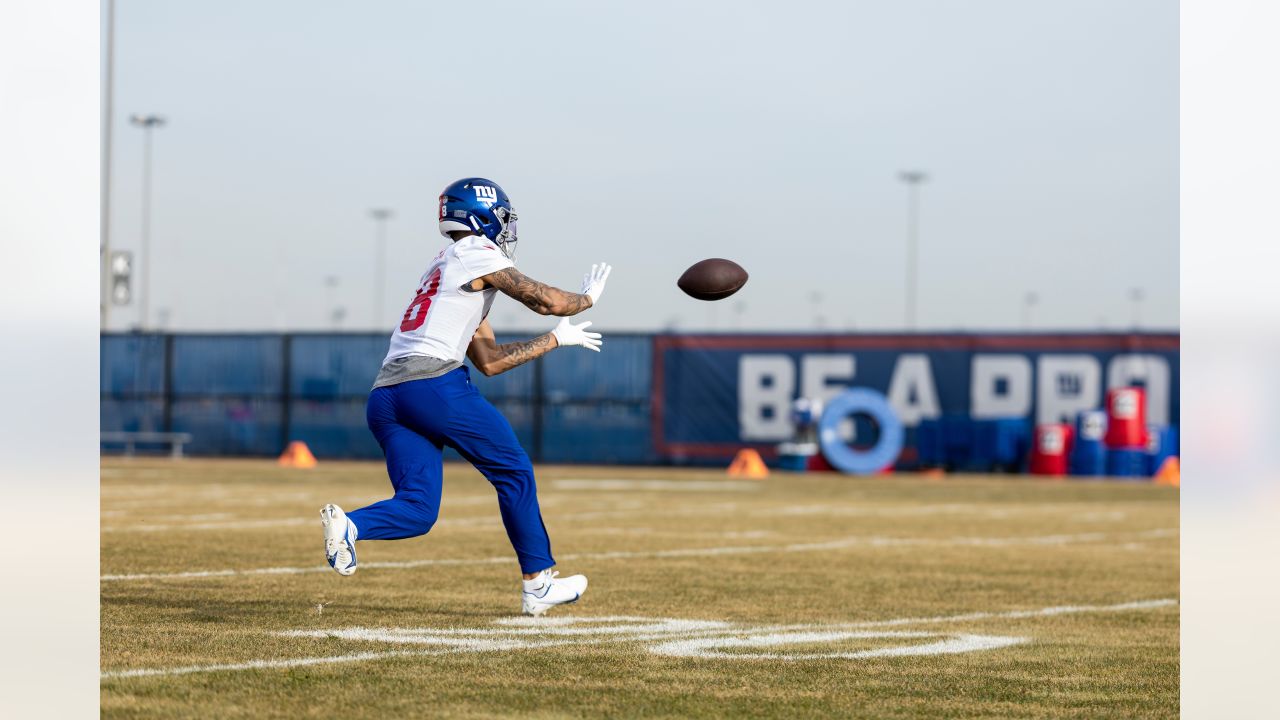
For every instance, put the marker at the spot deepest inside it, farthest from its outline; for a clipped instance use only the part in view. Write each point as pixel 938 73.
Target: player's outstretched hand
pixel 569 334
pixel 593 282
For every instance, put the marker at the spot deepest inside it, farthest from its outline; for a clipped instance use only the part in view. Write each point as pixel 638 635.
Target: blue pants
pixel 413 421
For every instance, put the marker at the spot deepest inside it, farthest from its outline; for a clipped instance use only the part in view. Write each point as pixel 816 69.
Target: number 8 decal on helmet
pixel 471 205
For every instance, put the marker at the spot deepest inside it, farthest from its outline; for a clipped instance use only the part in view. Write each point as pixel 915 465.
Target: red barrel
pixel 1050 450
pixel 1126 418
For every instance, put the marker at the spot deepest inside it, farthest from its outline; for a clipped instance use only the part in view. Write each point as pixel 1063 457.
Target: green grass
pixel 814 550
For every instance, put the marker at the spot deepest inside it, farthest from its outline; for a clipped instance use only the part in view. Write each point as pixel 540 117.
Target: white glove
pixel 569 334
pixel 593 282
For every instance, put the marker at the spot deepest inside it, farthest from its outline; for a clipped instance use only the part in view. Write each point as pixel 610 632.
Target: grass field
pixel 797 596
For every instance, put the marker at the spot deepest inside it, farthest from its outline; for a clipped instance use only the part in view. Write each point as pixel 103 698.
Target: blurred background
pixel 970 208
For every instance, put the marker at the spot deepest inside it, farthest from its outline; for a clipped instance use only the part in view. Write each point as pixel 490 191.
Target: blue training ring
pixel 860 462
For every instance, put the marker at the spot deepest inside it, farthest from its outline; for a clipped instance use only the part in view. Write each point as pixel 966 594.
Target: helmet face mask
pixel 480 207
pixel 507 237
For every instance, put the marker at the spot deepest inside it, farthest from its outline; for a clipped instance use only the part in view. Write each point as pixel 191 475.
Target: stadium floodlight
pixel 914 179
pixel 147 123
pixel 380 217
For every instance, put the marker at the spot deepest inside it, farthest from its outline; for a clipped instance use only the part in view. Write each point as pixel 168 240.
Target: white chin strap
pixel 448 226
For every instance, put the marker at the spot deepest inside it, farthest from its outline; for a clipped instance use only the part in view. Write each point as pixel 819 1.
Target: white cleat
pixel 339 539
pixel 548 590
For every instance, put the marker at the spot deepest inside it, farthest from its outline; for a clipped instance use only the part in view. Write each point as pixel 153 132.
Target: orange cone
pixel 297 455
pixel 747 463
pixel 1170 473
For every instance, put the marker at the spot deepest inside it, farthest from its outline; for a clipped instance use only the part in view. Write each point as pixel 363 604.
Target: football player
pixel 423 399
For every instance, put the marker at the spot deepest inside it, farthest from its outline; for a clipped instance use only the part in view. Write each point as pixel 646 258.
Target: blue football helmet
pixel 479 206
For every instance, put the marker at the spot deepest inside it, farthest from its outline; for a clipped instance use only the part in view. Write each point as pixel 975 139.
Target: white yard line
pixel 220 499
pixel 142 525
pixel 663 485
pixel 708 647
pixel 264 664
pixel 116 498
pixel 681 638
pixel 228 525
pixel 849 542
pixel 1002 615
pixel 950 509
pixel 272 523
pixel 491 520
pixel 897 510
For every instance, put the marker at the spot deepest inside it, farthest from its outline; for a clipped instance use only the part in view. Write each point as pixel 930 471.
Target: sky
pixel 653 135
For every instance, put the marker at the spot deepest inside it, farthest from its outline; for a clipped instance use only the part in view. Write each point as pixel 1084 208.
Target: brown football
pixel 712 279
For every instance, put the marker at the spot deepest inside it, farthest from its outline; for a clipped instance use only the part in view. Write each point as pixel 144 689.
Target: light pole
pixel 914 179
pixel 816 298
pixel 148 123
pixel 1028 302
pixel 104 211
pixel 380 217
pixel 335 313
pixel 1136 296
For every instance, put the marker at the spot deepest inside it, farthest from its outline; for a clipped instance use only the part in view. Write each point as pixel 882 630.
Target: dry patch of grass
pixel 220 564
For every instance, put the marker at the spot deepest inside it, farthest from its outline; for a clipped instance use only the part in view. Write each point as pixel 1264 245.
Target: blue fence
pixel 251 394
pixel 647 399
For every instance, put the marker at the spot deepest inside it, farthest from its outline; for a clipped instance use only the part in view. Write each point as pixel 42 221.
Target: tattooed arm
pixel 491 358
pixel 538 297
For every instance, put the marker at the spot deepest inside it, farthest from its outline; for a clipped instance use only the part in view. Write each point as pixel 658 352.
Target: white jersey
pixel 445 312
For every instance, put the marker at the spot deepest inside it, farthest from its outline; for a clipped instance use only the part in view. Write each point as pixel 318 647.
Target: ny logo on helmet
pixel 486 195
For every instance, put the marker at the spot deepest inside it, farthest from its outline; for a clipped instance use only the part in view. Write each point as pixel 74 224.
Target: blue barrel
pixel 929 448
pixel 1127 463
pixel 1091 425
pixel 957 440
pixel 1088 458
pixel 1162 444
pixel 960 442
pixel 1001 443
pixel 793 463
pixel 1089 453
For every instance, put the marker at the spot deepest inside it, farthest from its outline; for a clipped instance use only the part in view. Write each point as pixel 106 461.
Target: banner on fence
pixel 714 393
